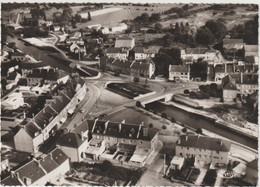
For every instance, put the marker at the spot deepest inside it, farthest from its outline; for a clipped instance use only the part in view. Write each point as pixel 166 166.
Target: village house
pixel 77 48
pixel 38 172
pixel 251 54
pixel 222 70
pixel 45 123
pixel 177 163
pixel 233 48
pixel 115 28
pixel 145 68
pixel 139 53
pixel 12 101
pixel 18 56
pixel 117 53
pixel 74 143
pixel 190 55
pixel 252 173
pixel 121 142
pixel 27 67
pixel 125 42
pixel 179 73
pixel 12 79
pixel 243 84
pixel 50 76
pixel 204 149
pixel 75 37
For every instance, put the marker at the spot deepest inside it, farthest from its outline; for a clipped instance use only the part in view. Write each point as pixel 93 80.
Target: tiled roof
pixel 10 181
pixel 11 75
pixel 27 65
pixel 229 86
pixel 113 50
pixel 245 78
pixel 31 129
pixel 71 140
pixel 179 68
pixel 31 171
pixel 48 163
pixel 83 127
pixel 59 156
pixel 196 50
pixel 125 38
pixel 205 142
pixel 17 54
pixel 221 68
pixel 233 41
pixel 139 50
pixel 46 74
pixel 124 42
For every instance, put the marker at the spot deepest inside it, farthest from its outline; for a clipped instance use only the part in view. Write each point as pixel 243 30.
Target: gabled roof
pixel 47 74
pixel 71 140
pixel 125 38
pixel 113 50
pixel 17 54
pixel 10 181
pixel 48 163
pixel 197 50
pixel 179 68
pixel 28 65
pixel 31 129
pixel 59 156
pixel 251 50
pixel 205 142
pixel 124 42
pixel 229 86
pixel 83 127
pixel 232 41
pixel 221 68
pixel 31 171
pixel 138 49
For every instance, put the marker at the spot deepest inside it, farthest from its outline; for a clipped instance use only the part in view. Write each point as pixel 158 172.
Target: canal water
pixel 40 54
pixel 196 121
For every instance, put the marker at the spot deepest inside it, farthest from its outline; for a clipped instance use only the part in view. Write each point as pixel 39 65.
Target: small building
pixel 252 173
pixel 117 53
pixel 12 101
pixel 112 29
pixel 222 70
pixel 177 163
pixel 75 143
pixel 229 91
pixel 179 73
pixel 139 53
pixel 38 172
pixel 75 37
pixel 56 28
pixel 144 68
pixel 233 44
pixel 125 42
pixel 204 149
pixel 251 54
pixel 18 56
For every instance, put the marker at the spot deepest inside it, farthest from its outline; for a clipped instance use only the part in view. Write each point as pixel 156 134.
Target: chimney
pixel 221 143
pixel 120 127
pixel 123 121
pixel 242 81
pixel 82 136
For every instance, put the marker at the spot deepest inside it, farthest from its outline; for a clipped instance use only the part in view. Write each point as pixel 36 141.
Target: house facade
pixel 203 149
pixel 190 55
pixel 38 129
pixel 117 53
pixel 125 42
pixel 179 73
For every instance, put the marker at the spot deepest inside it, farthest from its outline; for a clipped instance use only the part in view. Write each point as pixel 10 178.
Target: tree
pixel 150 125
pixel 158 27
pixel 136 79
pixel 164 127
pixel 138 104
pixel 186 91
pixel 173 120
pixel 164 115
pixel 205 37
pixel 89 16
pixel 67 14
pixel 184 130
pixel 199 131
pixel 155 17
pixel 218 29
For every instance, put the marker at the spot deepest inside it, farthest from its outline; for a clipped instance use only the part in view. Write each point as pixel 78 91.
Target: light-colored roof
pixel 178 68
pixel 251 50
pixel 138 158
pixel 177 160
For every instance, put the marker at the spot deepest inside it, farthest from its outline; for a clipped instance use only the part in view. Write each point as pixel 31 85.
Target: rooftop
pixel 232 41
pixel 179 68
pixel 205 142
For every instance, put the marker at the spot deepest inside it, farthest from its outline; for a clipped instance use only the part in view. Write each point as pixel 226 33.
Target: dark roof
pixel 232 41
pixel 47 74
pixel 143 66
pixel 205 142
pixel 17 54
pixel 221 68
pixel 245 78
pixel 71 140
pixel 31 129
pixel 113 50
pixel 129 131
pixel 48 164
pixel 250 59
pixel 11 75
pixel 31 170
pixel 10 181
pixel 27 65
pixel 138 50
pixel 179 68
pixel 126 147
pixel 198 50
pixel 125 38
pixel 59 156
pixel 83 127
pixel 229 86
pixel 253 164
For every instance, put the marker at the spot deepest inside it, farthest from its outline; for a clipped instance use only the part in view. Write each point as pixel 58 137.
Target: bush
pixel 164 127
pixel 193 95
pixel 173 120
pixel 199 95
pixel 186 91
pixel 150 125
pixel 199 131
pixel 184 130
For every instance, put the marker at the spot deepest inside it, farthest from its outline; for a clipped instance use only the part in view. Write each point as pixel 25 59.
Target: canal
pixel 196 121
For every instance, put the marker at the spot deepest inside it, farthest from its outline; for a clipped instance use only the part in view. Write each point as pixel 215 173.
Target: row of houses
pixel 34 132
pixel 145 68
pixel 39 171
pixel 118 142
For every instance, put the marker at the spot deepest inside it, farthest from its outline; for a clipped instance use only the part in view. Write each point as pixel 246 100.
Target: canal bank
pixel 196 121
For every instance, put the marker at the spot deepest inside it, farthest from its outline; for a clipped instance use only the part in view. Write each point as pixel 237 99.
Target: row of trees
pixel 145 18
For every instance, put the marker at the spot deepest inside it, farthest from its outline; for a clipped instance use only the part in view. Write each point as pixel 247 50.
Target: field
pixel 200 18
pixel 126 13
